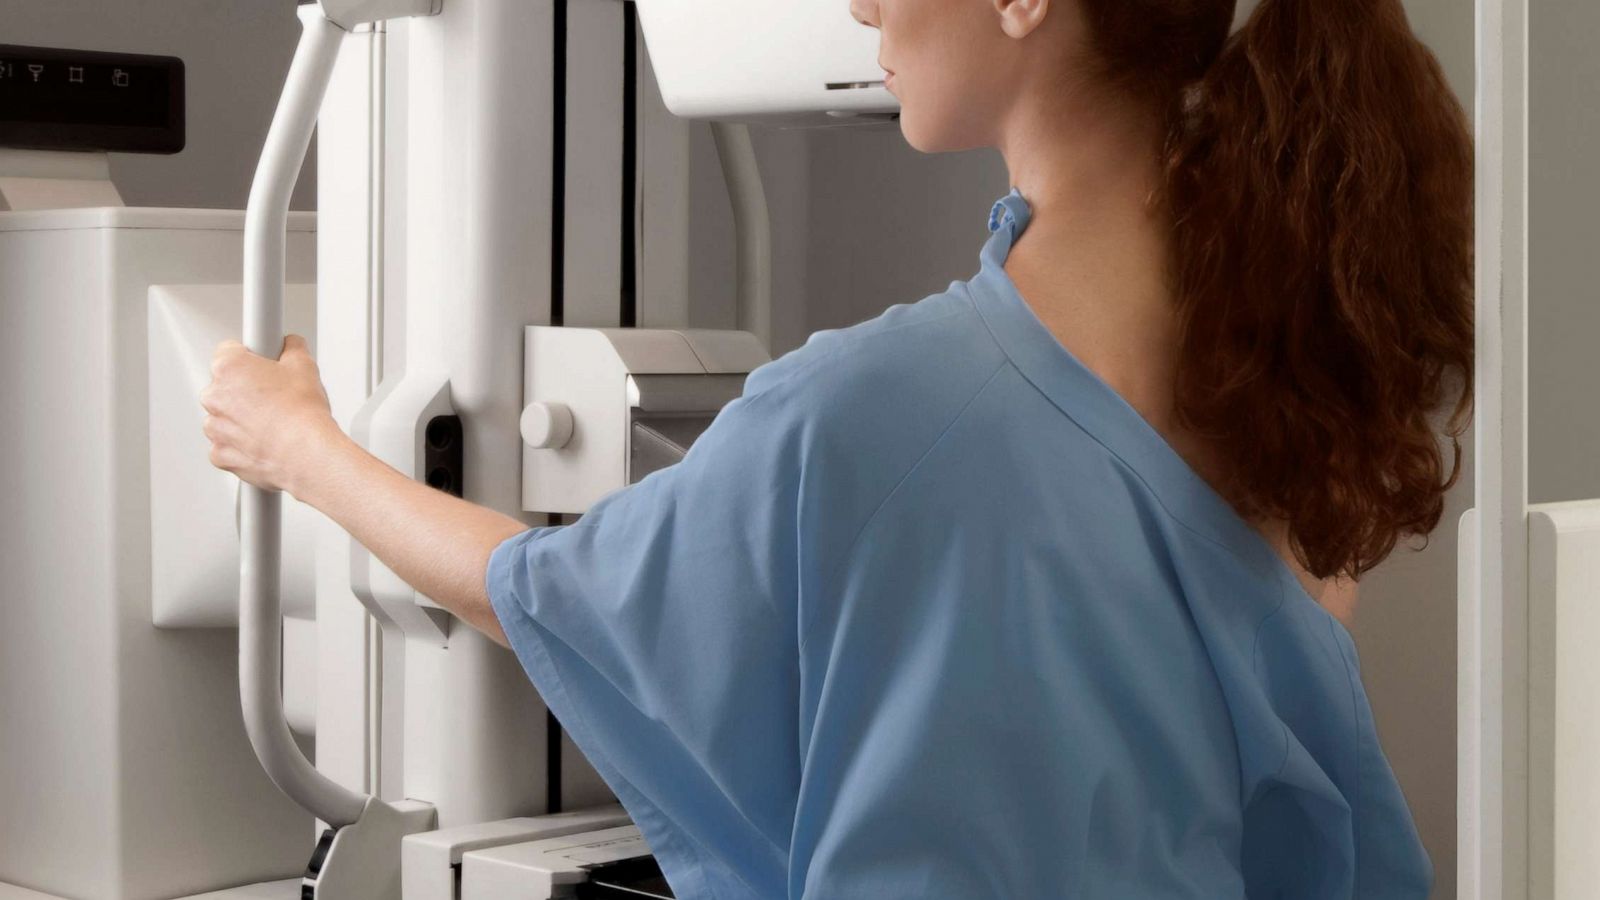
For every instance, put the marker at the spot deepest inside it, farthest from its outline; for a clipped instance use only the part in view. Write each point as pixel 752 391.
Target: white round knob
pixel 546 426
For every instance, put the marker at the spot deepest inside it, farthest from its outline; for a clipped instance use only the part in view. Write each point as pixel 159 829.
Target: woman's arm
pixel 269 423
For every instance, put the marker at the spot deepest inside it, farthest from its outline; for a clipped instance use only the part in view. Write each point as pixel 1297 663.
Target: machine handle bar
pixel 260 521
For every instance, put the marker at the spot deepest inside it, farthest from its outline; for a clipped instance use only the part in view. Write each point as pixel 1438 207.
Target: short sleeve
pixel 660 628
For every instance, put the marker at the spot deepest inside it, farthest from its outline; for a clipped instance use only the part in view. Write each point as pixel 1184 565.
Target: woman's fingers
pixel 228 356
pixel 229 459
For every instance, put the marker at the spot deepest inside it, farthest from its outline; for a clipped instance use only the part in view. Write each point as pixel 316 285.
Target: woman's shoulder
pixel 909 354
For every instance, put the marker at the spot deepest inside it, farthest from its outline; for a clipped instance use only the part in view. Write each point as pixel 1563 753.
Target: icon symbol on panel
pixel 119 78
pixel 36 69
pixel 75 74
pixel 5 70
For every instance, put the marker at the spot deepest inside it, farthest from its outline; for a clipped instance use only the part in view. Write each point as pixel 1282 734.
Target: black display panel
pixel 53 99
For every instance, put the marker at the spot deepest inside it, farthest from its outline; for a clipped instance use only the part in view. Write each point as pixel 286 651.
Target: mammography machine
pixel 500 307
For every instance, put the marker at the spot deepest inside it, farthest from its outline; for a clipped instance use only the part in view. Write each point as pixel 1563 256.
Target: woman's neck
pixel 1093 261
pixel 1093 266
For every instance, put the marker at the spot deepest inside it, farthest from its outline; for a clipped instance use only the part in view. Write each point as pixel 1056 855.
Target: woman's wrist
pixel 325 457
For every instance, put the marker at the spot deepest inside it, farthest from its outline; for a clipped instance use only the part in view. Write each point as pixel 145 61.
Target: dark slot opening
pixel 558 174
pixel 630 164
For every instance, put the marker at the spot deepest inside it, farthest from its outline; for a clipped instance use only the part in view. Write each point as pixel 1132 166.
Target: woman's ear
pixel 1020 18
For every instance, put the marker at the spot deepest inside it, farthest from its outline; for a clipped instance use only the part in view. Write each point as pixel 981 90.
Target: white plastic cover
pixel 738 59
pixel 194 533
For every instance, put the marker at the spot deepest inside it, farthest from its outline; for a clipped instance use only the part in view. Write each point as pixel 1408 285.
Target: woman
pixel 1012 591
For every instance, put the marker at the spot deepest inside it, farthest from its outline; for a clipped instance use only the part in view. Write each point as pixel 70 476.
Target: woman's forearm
pixel 269 423
pixel 437 543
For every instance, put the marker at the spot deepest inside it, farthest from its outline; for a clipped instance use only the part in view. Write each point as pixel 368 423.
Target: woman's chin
pixel 931 140
pixel 916 135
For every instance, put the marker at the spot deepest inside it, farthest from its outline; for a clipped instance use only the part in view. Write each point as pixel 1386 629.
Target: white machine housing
pixel 441 218
pixel 432 862
pixel 740 59
pixel 131 777
pixel 619 388
pixel 194 507
pixel 553 867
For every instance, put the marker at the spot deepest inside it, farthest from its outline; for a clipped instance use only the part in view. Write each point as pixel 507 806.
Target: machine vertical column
pixel 1493 671
pixel 478 256
pixel 347 137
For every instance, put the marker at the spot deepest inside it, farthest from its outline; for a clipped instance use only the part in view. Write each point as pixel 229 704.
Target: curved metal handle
pixel 260 521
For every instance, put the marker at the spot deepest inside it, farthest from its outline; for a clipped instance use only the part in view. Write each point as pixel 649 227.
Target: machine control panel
pixel 54 99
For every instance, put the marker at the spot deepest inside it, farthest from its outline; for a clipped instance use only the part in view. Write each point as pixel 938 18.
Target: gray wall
pixel 236 53
pixel 1564 300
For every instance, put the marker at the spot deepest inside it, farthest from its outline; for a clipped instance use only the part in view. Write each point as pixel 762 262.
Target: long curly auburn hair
pixel 1319 179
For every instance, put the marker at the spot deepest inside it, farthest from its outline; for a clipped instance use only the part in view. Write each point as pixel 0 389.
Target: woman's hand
pixel 268 419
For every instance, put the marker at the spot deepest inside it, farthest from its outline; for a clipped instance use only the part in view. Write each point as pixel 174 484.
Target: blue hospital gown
pixel 931 612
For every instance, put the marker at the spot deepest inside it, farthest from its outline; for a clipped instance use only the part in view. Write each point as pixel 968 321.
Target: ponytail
pixel 1319 179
